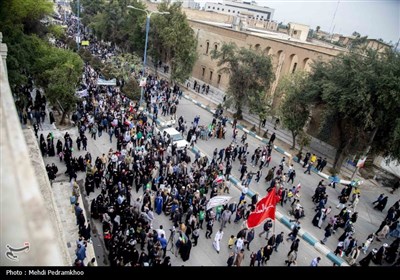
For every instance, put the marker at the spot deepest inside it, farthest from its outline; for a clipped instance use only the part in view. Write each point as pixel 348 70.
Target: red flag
pixel 265 208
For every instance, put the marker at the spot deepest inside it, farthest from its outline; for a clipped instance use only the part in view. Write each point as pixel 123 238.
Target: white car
pixel 176 137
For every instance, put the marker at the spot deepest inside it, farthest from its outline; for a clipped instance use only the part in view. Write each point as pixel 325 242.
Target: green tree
pixel 58 72
pixel 359 43
pixel 260 105
pixel 360 95
pixel 172 39
pixel 250 76
pixel 26 14
pixel 112 21
pixel 304 140
pixel 294 108
pixel 19 19
pixel 131 89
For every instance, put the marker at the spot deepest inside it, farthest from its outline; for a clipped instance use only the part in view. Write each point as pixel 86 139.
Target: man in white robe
pixel 217 239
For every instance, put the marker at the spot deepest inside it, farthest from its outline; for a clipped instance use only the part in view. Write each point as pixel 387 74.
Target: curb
pixel 251 133
pixel 286 221
pixel 310 239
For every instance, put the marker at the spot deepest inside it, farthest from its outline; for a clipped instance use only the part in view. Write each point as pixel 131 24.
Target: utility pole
pixel 333 19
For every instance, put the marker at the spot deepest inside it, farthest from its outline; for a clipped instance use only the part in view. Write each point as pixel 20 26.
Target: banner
pixel 102 82
pixel 85 43
pixel 265 208
pixel 217 200
pixel 82 93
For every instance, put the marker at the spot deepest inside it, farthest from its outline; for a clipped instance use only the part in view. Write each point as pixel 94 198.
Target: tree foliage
pixel 250 76
pixel 25 14
pixel 57 71
pixel 172 36
pixel 360 92
pixel 294 108
pixel 19 19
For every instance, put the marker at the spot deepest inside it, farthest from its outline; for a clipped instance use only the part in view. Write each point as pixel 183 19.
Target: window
pixel 211 74
pixel 209 7
pixel 294 67
pixel 207 47
pixel 203 71
pixel 229 11
pixel 223 9
pixel 219 79
pixel 218 9
pixel 213 8
pixel 215 47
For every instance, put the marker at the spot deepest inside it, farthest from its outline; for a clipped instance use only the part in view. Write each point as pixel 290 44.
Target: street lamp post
pixel 148 15
pixel 78 36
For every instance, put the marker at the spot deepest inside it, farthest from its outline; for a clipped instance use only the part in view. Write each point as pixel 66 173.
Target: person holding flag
pixel 265 208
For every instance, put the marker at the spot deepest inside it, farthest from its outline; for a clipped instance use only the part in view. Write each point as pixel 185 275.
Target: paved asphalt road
pixel 204 254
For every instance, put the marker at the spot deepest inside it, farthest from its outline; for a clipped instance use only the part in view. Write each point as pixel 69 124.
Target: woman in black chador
pixel 50 146
pixel 43 146
pixel 51 117
pixel 365 261
pixel 391 251
pixel 382 204
pixel 185 250
pixel 59 146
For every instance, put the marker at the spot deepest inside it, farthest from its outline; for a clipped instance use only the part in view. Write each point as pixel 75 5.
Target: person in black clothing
pixel 231 259
pixel 272 139
pixel 185 250
pixel 382 204
pixel 278 240
pixel 366 261
pixel 294 246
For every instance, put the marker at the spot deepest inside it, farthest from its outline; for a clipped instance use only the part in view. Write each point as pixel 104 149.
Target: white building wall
pixel 260 13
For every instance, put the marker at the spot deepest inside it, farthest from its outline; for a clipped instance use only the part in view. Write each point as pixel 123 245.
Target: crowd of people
pixel 170 182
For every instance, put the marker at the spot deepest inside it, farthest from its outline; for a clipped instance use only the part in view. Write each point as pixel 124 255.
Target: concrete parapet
pixel 25 221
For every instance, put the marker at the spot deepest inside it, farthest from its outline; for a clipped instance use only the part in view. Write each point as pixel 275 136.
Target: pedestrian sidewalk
pixel 62 192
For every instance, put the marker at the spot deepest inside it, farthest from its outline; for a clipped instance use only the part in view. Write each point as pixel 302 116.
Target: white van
pixel 176 138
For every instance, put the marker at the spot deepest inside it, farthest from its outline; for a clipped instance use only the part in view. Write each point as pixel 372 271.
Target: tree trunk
pixel 156 68
pixel 294 140
pixel 339 157
pixel 62 121
pixel 238 113
pixel 259 126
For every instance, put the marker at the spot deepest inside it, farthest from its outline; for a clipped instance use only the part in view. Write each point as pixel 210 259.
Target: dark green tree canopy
pixel 361 94
pixel 173 40
pixel 57 71
pixel 250 74
pixel 294 107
